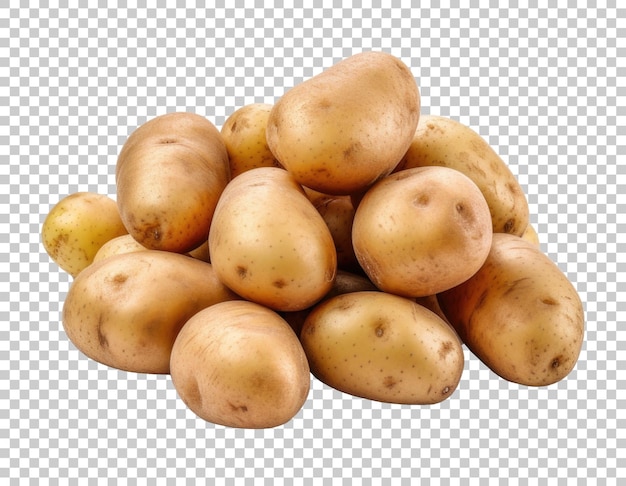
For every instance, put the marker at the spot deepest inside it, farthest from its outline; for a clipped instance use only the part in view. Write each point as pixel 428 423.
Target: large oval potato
pixel 77 227
pixel 382 347
pixel 350 125
pixel 519 314
pixel 421 231
pixel 170 173
pixel 269 244
pixel 244 135
pixel 239 364
pixel 126 310
pixel 443 141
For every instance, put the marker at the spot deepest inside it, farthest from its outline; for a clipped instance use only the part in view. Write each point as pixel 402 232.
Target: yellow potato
pixel 442 141
pixel 126 310
pixel 343 129
pixel 421 231
pixel 382 347
pixel 239 364
pixel 77 227
pixel 121 244
pixel 530 234
pixel 170 174
pixel 519 314
pixel 269 244
pixel 244 135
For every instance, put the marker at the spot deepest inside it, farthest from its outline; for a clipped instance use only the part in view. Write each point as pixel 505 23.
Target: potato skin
pixel 118 245
pixel 170 173
pixel 382 347
pixel 421 231
pixel 443 141
pixel 269 244
pixel 519 314
pixel 239 364
pixel 343 129
pixel 77 227
pixel 244 135
pixel 126 310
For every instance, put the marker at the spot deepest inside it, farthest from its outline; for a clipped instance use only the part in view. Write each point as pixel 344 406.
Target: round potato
pixel 239 364
pixel 442 141
pixel 244 135
pixel 343 129
pixel 421 231
pixel 170 173
pixel 382 347
pixel 77 227
pixel 519 314
pixel 126 310
pixel 269 244
pixel 116 246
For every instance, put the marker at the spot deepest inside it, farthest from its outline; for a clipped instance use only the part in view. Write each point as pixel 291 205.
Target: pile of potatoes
pixel 336 233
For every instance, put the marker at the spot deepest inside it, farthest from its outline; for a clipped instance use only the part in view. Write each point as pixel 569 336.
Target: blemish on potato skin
pixel 242 272
pixel 389 382
pixel 102 339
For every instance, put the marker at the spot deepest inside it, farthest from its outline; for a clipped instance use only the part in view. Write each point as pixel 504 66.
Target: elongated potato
pixel 239 364
pixel 269 244
pixel 348 126
pixel 519 314
pixel 170 174
pixel 382 347
pixel 126 310
pixel 77 227
pixel 442 141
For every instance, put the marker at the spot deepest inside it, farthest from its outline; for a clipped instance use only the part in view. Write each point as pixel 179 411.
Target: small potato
pixel 348 126
pixel 239 364
pixel 519 314
pixel 77 227
pixel 442 141
pixel 170 173
pixel 121 244
pixel 126 310
pixel 338 213
pixel 269 244
pixel 421 231
pixel 244 135
pixel 382 347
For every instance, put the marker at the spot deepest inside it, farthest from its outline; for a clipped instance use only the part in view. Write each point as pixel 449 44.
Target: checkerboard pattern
pixel 544 83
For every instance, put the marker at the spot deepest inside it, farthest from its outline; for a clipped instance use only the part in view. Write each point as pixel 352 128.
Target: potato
pixel 170 173
pixel 442 141
pixel 530 234
pixel 77 227
pixel 421 231
pixel 519 314
pixel 338 213
pixel 269 244
pixel 244 135
pixel 382 347
pixel 343 129
pixel 239 364
pixel 126 310
pixel 121 244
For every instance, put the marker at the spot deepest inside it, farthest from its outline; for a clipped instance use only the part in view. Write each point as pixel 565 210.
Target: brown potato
pixel 121 244
pixel 519 314
pixel 239 364
pixel 421 231
pixel 343 129
pixel 442 141
pixel 269 244
pixel 383 347
pixel 170 174
pixel 126 310
pixel 244 135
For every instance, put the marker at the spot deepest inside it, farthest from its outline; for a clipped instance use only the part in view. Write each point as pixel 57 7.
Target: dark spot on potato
pixel 324 104
pixel 509 226
pixel 513 285
pixel 421 200
pixel 389 382
pixel 238 408
pixel 280 283
pixel 242 271
pixel 167 140
pixel 446 390
pixel 351 150
pixel 379 331
pixel 481 300
pixel 193 394
pixel 556 362
pixel 549 301
pixel 102 339
pixel 120 278
pixel 445 349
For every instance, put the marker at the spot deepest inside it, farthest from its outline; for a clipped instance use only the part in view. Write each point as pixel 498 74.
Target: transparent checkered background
pixel 544 84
